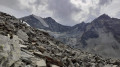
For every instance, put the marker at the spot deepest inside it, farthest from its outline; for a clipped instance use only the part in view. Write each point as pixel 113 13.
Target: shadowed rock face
pixel 56 27
pixel 111 24
pixel 106 28
pixel 33 21
pixel 35 48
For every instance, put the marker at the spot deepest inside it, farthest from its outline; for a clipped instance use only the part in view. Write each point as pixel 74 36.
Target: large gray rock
pixel 9 50
pixel 22 35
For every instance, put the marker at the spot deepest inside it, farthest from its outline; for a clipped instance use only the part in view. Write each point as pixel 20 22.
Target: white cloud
pixel 90 9
pixel 112 10
pixel 13 12
pixel 68 12
pixel 37 7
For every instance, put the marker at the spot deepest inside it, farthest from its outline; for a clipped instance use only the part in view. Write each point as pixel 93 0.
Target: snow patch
pixel 25 23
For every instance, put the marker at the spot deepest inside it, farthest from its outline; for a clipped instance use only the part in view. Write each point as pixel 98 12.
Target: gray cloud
pixel 13 4
pixel 95 11
pixel 37 3
pixel 13 7
pixel 64 11
pixel 91 15
pixel 104 2
pixel 84 1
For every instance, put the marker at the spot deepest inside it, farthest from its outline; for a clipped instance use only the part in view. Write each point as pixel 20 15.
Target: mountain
pixel 45 23
pixel 24 46
pixel 101 36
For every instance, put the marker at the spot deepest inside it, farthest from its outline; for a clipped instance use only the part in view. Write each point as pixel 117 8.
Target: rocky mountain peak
pixel 79 24
pixel 32 15
pixel 101 20
pixel 49 18
pixel 104 16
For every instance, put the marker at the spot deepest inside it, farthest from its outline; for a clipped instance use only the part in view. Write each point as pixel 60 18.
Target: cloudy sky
pixel 67 12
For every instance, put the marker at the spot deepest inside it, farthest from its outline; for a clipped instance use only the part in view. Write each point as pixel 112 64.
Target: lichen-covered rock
pixel 9 50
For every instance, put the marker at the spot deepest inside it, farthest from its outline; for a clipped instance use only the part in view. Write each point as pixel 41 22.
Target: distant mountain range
pixel 101 36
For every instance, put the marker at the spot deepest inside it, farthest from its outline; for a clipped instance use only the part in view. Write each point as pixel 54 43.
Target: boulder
pixel 9 50
pixel 54 66
pixel 114 66
pixel 22 35
pixel 27 61
pixel 41 49
pixel 39 54
pixel 41 63
pixel 23 46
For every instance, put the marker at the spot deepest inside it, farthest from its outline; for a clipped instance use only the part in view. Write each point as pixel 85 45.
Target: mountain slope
pixel 45 23
pixel 99 37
